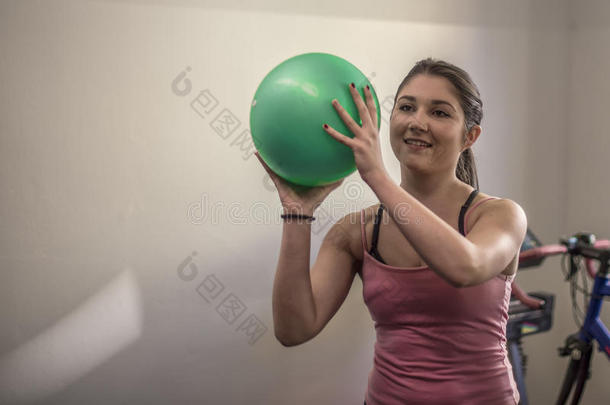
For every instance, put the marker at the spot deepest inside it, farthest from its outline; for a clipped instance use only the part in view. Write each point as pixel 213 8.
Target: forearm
pixel 441 247
pixel 293 302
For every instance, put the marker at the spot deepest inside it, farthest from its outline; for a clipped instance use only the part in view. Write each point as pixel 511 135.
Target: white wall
pixel 110 178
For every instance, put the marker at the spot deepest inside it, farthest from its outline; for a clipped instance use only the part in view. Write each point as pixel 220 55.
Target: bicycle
pixel 538 307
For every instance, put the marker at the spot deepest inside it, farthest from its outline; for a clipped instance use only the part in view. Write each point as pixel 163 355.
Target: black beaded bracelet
pixel 300 216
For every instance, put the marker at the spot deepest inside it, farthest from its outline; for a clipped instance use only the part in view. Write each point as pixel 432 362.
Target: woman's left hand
pixel 365 143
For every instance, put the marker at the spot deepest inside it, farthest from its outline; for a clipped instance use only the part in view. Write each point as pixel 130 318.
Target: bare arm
pixel 293 304
pixel 464 261
pixel 303 300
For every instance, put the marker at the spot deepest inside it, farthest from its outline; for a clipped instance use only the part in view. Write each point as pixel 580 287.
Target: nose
pixel 418 122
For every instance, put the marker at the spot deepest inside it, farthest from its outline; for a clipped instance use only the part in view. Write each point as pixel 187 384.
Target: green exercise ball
pixel 289 108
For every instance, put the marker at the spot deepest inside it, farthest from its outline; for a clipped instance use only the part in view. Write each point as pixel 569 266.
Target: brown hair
pixel 470 101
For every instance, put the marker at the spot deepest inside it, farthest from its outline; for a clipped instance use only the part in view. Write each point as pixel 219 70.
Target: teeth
pixel 409 141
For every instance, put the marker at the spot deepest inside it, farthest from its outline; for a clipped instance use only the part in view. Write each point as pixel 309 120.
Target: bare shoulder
pixel 494 204
pixel 499 205
pixel 511 209
pixel 503 211
pixel 505 216
pixel 350 227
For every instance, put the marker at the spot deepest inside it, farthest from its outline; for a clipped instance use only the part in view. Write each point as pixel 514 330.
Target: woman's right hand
pixel 297 198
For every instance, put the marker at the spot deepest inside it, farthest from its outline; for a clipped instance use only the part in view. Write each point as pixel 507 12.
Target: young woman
pixel 436 256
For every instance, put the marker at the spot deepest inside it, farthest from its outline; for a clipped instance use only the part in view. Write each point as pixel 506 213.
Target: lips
pixel 417 142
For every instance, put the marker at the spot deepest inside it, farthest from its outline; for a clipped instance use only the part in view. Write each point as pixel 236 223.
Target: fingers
pixel 370 103
pixel 363 111
pixel 345 140
pixel 345 117
pixel 367 111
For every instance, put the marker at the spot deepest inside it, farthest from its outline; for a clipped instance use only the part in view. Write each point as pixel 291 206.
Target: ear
pixel 471 137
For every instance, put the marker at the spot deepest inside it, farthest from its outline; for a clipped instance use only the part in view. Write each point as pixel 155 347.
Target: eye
pixel 407 106
pixel 440 113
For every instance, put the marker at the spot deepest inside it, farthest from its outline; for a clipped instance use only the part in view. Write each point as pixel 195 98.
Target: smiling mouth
pixel 416 144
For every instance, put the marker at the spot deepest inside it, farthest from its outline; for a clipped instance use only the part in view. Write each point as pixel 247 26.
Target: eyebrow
pixel 434 102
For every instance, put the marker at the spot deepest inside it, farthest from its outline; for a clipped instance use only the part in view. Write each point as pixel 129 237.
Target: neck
pixel 431 189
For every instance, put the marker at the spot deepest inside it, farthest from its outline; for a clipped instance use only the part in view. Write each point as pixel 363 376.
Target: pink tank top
pixel 436 344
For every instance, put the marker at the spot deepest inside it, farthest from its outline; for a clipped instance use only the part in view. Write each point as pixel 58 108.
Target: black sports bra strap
pixel 376 228
pixel 465 208
pixel 373 249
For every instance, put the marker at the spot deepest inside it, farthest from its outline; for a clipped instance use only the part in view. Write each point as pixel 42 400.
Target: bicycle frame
pixel 580 346
pixel 594 327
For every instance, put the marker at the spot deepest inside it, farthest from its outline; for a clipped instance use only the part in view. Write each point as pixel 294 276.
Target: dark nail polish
pixel 325 126
pixel 367 87
pixel 353 85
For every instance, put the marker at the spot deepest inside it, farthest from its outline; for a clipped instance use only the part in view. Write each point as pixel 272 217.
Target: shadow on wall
pixel 104 325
